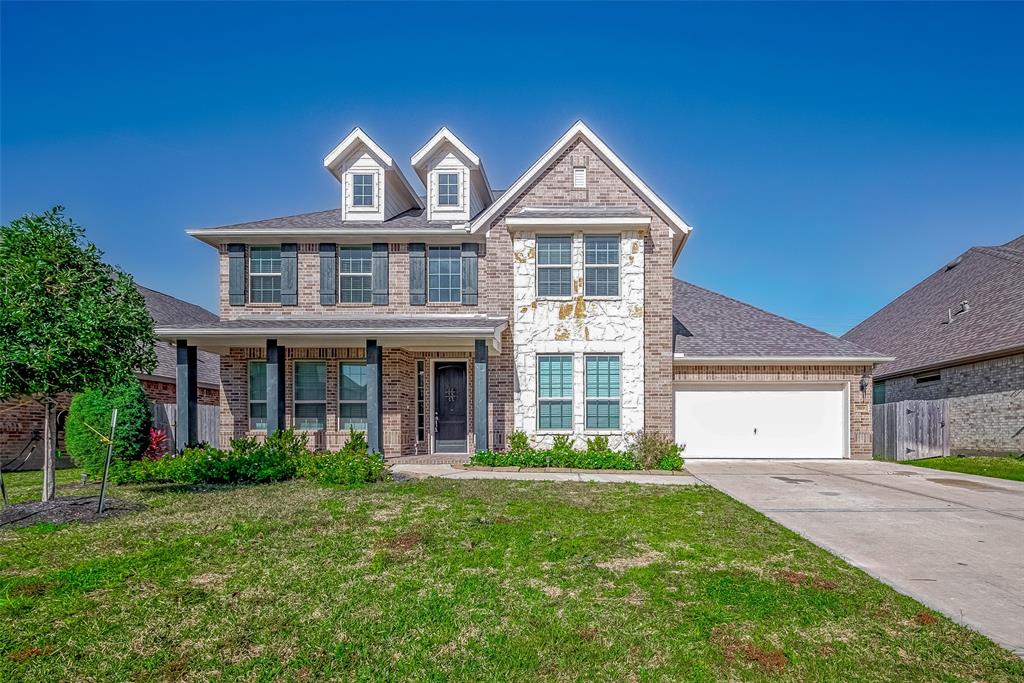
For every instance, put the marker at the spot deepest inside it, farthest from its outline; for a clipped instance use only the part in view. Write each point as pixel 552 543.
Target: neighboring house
pixel 441 323
pixel 21 420
pixel 959 335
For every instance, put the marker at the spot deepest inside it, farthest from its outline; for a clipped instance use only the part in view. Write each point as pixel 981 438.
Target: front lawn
pixel 1008 467
pixel 463 580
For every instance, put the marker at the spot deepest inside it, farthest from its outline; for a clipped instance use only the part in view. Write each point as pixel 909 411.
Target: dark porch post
pixel 374 396
pixel 275 386
pixel 187 397
pixel 480 394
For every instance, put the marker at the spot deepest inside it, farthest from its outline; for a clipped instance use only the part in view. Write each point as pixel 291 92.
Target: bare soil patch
pixel 403 542
pixel 925 619
pixel 733 648
pixel 621 564
pixel 64 510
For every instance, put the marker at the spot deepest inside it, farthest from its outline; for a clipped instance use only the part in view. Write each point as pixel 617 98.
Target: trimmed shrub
pixel 655 451
pixel 88 425
pixel 353 464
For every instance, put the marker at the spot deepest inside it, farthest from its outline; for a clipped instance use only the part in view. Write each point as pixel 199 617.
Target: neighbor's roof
pixel 166 311
pixel 915 327
pixel 712 326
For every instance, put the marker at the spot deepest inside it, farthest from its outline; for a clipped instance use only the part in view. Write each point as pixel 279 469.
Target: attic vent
pixel 954 263
pixel 951 313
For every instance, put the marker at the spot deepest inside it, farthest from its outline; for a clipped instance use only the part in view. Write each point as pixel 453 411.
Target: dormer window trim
pixel 350 191
pixel 442 179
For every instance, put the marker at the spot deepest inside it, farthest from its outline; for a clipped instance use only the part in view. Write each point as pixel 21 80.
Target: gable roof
pixel 710 327
pixel 168 311
pixel 442 137
pixel 356 138
pixel 677 225
pixel 915 327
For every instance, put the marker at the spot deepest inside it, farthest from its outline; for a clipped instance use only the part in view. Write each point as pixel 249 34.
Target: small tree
pixel 68 321
pixel 89 415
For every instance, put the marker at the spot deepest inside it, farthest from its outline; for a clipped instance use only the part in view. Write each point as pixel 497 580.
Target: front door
pixel 450 408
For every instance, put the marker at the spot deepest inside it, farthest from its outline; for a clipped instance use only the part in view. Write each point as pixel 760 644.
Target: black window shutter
pixel 236 274
pixel 328 274
pixel 469 273
pixel 289 274
pixel 380 273
pixel 417 274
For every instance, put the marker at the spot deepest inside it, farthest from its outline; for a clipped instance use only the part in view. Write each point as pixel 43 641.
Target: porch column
pixel 187 397
pixel 275 387
pixel 480 394
pixel 374 396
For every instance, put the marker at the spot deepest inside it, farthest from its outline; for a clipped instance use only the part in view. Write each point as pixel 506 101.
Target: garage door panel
pixel 776 421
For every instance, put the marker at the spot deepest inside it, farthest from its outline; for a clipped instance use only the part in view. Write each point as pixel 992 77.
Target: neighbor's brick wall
pixel 860 401
pixel 166 392
pixel 20 419
pixel 985 400
pixel 553 188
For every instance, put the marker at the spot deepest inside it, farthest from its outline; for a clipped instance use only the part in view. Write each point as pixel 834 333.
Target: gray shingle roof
pixel 168 311
pixel 710 324
pixel 413 219
pixel 915 326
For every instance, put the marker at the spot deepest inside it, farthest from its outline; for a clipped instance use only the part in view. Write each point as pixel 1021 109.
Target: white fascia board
pixel 441 136
pixel 616 222
pixel 683 359
pixel 357 136
pixel 675 222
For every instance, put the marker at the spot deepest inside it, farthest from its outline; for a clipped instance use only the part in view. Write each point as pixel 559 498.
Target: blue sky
pixel 828 156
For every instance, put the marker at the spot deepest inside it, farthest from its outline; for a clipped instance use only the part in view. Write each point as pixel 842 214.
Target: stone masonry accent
pixel 860 401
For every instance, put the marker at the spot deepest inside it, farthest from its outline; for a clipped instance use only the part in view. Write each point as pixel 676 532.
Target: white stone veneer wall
pixel 579 325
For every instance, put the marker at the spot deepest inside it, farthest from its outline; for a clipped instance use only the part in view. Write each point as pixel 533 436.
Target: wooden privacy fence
pixel 911 430
pixel 165 417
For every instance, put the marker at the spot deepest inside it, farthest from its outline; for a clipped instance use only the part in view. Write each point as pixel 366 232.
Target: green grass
pixel 456 580
pixel 1008 467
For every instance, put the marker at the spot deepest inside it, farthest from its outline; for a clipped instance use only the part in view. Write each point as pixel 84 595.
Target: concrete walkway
pixel 954 542
pixel 448 472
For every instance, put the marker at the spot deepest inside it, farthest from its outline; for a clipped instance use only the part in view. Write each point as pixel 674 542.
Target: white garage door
pixel 765 421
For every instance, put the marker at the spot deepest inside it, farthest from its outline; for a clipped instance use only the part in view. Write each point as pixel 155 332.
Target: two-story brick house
pixel 439 323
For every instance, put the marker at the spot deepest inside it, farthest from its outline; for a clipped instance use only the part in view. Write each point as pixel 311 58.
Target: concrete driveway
pixel 954 542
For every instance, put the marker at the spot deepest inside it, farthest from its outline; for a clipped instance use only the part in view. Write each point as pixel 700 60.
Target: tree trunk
pixel 49 451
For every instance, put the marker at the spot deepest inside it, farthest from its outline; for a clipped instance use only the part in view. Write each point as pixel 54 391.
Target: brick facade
pixel 985 401
pixel 166 392
pixel 860 401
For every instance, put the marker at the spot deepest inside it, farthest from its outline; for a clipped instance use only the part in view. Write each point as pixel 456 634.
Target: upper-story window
pixel 601 266
pixel 554 266
pixel 448 189
pixel 356 280
pixel 362 189
pixel 265 275
pixel 444 274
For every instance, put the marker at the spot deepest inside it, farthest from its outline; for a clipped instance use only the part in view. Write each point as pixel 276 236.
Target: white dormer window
pixel 362 189
pixel 579 177
pixel 448 189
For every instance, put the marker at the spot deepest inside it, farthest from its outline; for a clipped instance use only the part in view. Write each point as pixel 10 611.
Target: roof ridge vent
pixel 964 307
pixel 954 263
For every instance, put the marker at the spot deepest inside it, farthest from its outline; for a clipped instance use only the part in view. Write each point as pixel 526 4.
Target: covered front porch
pixel 416 385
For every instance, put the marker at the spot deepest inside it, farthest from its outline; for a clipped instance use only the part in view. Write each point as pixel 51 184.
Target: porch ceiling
pixel 406 331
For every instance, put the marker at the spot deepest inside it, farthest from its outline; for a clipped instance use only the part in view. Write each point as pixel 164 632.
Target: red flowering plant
pixel 157 444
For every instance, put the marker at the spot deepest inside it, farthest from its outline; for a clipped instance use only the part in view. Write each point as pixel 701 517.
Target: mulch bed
pixel 64 510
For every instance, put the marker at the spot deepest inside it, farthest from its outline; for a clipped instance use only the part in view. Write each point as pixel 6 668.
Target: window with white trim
pixel 444 274
pixel 554 391
pixel 579 177
pixel 265 275
pixel 362 189
pixel 602 392
pixel 352 396
pixel 355 284
pixel 258 395
pixel 448 189
pixel 554 266
pixel 310 392
pixel 601 265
